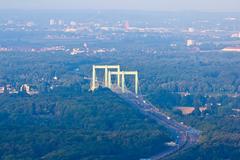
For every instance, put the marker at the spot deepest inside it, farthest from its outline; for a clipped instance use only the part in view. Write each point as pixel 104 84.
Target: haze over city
pixel 152 5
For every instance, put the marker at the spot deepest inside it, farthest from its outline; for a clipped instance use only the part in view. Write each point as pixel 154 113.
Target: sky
pixel 152 5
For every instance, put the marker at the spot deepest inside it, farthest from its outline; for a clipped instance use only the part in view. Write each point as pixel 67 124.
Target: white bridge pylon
pixel 123 74
pixel 108 76
pixel 106 70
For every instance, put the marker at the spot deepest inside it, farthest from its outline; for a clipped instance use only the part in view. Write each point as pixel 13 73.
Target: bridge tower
pixel 106 69
pixel 123 74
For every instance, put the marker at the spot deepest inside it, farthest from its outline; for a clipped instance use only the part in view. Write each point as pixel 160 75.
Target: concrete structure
pixel 106 69
pixel 108 73
pixel 123 74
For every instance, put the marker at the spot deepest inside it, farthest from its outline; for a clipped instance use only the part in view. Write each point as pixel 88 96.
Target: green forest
pixel 70 123
pixel 66 121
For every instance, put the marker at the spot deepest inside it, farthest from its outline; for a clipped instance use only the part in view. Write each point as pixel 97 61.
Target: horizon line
pixel 129 10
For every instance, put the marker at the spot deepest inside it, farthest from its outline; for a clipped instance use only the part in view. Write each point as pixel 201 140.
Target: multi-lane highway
pixel 185 135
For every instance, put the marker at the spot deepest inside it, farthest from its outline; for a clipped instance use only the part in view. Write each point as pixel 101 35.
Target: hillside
pixel 75 124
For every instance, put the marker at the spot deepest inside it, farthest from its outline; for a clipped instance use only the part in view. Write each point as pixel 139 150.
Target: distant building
pixel 25 88
pixel 191 30
pixel 2 49
pixel 85 45
pixel 70 29
pixel 51 22
pixel 55 78
pixel 11 90
pixel 171 144
pixel 76 51
pixel 190 42
pixel 184 94
pixel 32 92
pixel 2 89
pixel 60 22
pixel 29 24
pixel 230 19
pixel 173 45
pixel 231 49
pixel 190 110
pixel 236 35
pixel 202 109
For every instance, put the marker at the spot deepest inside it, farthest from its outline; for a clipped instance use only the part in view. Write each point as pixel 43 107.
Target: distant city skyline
pixel 149 5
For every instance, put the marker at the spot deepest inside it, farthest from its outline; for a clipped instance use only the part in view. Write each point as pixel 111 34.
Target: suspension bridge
pixel 185 136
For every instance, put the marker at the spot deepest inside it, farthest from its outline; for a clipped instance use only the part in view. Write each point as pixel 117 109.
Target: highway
pixel 185 135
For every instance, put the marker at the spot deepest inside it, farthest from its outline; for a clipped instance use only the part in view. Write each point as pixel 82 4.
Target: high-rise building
pixel 51 22
pixel 60 22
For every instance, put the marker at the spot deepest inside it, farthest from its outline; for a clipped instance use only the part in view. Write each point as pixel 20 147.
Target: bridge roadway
pixel 185 135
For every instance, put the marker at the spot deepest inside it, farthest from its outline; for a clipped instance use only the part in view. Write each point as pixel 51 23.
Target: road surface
pixel 185 135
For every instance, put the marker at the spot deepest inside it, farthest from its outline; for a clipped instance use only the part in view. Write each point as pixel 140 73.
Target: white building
pixel 2 89
pixel 51 22
pixel 190 42
pixel 60 22
pixel 25 87
pixel 191 30
pixel 70 29
pixel 236 35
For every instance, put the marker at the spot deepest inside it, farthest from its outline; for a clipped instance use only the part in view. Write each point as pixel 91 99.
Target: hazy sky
pixel 159 5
